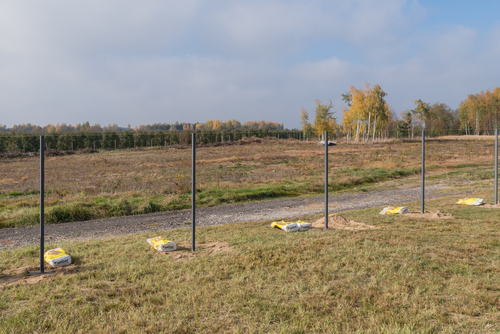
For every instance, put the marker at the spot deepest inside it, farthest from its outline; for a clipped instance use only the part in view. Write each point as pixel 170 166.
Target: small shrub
pixel 151 207
pixel 27 219
pixel 63 214
pixel 124 208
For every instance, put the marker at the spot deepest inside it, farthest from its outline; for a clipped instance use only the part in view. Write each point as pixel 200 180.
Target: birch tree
pixel 368 111
pixel 307 128
pixel 324 120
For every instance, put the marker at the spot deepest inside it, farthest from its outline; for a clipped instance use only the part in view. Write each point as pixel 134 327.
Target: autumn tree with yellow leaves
pixel 480 112
pixel 307 127
pixel 368 112
pixel 422 111
pixel 323 120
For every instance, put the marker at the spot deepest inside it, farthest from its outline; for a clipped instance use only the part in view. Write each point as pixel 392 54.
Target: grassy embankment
pixel 408 275
pixel 117 183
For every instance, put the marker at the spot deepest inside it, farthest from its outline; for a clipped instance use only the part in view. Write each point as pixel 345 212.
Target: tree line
pixel 479 112
pixel 367 116
pixel 130 139
pixel 211 125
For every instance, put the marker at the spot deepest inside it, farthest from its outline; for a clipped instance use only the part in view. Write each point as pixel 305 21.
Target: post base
pixel 38 273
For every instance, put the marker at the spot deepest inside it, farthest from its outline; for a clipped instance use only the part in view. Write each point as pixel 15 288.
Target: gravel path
pixel 245 212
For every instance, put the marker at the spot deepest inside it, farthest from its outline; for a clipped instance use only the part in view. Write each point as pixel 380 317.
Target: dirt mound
pixel 490 206
pixel 184 251
pixel 12 155
pixel 242 141
pixel 56 153
pixel 339 222
pixel 88 150
pixel 430 215
pixel 22 275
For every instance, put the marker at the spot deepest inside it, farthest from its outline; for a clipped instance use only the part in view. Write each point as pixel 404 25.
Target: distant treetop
pixel 217 125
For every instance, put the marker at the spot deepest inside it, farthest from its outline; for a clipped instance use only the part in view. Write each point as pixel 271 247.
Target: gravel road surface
pixel 245 212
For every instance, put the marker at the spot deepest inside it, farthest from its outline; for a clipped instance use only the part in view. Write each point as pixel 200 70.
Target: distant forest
pixel 63 128
pixel 368 116
pixel 25 137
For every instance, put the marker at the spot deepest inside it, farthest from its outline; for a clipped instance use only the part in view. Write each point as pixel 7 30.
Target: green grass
pixel 20 194
pixel 471 175
pixel 106 206
pixel 466 165
pixel 409 275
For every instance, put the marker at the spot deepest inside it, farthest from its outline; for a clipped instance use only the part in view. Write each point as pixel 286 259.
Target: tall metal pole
pixel 193 192
pixel 326 179
pixel 423 170
pixel 496 166
pixel 42 200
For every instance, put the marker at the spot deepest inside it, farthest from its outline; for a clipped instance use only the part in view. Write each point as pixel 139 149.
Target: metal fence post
pixel 42 202
pixel 496 166
pixel 423 170
pixel 326 180
pixel 193 192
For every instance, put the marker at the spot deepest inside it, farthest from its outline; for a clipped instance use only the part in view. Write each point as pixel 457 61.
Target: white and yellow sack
pixel 303 226
pixel 162 245
pixel 471 201
pixel 57 258
pixel 287 227
pixel 392 210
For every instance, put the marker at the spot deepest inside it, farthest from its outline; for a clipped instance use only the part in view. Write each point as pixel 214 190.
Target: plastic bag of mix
pixel 162 245
pixel 303 226
pixel 471 201
pixel 392 210
pixel 57 258
pixel 287 227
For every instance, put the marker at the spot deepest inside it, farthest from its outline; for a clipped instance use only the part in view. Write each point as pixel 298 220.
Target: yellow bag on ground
pixel 471 201
pixel 57 258
pixel 303 226
pixel 392 210
pixel 287 227
pixel 162 245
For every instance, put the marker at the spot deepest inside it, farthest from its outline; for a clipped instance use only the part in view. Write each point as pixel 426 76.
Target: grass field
pixel 117 183
pixel 408 275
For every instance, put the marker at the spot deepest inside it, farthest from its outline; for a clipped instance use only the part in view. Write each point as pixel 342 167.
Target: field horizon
pixel 104 184
pixel 368 273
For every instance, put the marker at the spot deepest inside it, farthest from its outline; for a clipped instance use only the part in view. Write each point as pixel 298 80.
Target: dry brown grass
pixel 164 174
pixel 407 275
pixel 470 137
pixel 165 170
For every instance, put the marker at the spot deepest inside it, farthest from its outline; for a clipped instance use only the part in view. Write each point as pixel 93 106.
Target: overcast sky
pixel 161 61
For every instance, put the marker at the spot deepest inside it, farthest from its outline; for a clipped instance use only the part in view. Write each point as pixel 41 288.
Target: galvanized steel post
pixel 326 179
pixel 42 200
pixel 423 171
pixel 193 192
pixel 496 166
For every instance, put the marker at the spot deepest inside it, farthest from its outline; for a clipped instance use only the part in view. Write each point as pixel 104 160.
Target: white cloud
pixel 85 27
pixel 272 28
pixel 164 61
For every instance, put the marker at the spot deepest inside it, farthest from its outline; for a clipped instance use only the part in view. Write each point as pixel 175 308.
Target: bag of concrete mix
pixel 390 210
pixel 287 227
pixel 303 226
pixel 162 245
pixel 57 258
pixel 471 201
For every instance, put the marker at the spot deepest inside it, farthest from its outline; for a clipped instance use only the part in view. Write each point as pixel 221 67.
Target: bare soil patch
pixel 429 215
pixel 184 250
pixel 21 275
pixel 490 206
pixel 340 222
